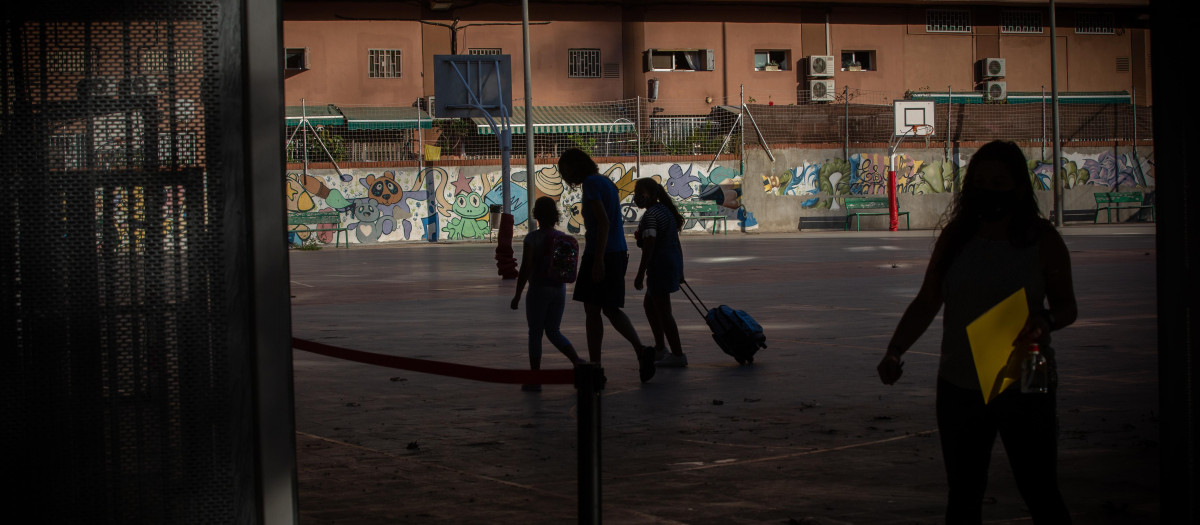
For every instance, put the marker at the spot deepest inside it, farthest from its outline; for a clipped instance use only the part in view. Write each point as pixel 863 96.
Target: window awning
pixel 1030 97
pixel 323 115
pixel 364 117
pixel 564 119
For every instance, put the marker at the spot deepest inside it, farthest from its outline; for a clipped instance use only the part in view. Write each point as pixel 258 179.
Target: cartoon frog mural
pixel 469 223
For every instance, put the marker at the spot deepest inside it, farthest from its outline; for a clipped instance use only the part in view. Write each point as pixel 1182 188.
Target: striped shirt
pixel 657 217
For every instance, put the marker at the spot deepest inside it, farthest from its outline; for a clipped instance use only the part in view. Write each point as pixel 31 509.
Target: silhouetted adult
pixel 601 283
pixel 995 242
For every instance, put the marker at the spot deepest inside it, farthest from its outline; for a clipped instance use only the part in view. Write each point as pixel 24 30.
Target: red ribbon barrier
pixel 474 373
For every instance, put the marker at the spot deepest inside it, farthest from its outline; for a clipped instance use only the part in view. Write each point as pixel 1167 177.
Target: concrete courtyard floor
pixel 807 434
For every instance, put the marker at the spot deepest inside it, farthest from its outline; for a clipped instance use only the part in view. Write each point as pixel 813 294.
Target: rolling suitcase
pixel 735 331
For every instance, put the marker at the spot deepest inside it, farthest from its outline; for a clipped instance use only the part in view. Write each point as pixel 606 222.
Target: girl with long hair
pixel 994 244
pixel 661 267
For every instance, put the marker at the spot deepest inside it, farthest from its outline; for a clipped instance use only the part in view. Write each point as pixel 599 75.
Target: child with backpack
pixel 661 266
pixel 548 262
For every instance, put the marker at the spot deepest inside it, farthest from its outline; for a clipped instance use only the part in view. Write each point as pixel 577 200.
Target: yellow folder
pixel 991 336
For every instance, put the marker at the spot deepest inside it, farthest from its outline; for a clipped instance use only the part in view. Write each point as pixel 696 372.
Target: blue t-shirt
pixel 599 187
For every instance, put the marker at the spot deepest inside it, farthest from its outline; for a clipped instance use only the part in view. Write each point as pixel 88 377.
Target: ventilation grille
pixel 114 273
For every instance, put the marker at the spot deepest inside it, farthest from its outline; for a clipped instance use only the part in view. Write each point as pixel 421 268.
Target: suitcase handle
pixel 693 293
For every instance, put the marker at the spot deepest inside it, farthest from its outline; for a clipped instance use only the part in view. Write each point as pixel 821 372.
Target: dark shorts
pixel 610 291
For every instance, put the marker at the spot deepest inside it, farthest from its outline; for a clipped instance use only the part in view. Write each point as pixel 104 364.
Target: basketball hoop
pixel 916 130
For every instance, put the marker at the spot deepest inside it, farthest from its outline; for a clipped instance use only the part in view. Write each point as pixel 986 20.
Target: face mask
pixel 995 205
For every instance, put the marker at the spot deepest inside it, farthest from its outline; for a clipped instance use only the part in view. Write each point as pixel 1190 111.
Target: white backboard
pixel 910 113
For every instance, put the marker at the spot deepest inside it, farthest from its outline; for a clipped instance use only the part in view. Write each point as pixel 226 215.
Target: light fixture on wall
pixel 708 100
pixel 438 5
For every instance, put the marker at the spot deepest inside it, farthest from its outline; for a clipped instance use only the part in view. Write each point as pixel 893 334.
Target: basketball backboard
pixel 468 85
pixel 913 118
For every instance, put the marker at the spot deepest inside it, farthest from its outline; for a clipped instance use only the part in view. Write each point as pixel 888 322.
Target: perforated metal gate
pixel 124 382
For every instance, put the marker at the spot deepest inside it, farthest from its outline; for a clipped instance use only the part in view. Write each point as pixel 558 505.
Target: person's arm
pixel 917 317
pixel 523 274
pixel 596 208
pixel 1060 291
pixel 647 252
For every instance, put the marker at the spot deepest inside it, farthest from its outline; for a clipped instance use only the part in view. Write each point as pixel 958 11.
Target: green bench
pixel 704 211
pixel 854 209
pixel 321 221
pixel 1120 200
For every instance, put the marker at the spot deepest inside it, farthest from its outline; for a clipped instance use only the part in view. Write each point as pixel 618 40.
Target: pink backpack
pixel 561 257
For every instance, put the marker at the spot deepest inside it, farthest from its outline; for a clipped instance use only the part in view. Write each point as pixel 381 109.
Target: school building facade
pixel 705 52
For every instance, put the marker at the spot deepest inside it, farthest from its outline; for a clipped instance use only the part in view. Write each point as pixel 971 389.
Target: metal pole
pixel 1057 181
pixel 421 141
pixel 638 129
pixel 1043 122
pixel 846 143
pixel 1133 98
pixel 303 122
pixel 589 381
pixel 742 132
pixel 530 174
pixel 949 108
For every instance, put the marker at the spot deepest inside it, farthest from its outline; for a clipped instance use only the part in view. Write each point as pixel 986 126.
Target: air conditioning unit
pixel 995 91
pixel 821 90
pixel 820 66
pixel 993 68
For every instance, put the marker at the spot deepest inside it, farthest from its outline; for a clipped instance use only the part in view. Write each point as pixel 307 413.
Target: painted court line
pixel 728 463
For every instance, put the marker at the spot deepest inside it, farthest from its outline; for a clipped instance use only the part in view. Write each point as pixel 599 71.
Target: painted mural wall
pixel 453 203
pixel 808 186
pixel 819 183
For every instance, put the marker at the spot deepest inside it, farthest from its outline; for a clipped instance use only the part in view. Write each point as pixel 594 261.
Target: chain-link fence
pixel 320 132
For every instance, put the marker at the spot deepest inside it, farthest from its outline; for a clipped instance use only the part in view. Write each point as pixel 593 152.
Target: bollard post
pixel 589 381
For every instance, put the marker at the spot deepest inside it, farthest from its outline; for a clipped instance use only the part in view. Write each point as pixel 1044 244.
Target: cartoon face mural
pixel 385 189
pixel 469 205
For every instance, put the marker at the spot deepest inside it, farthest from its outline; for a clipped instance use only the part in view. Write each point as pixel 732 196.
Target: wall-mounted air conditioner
pixel 820 66
pixel 821 90
pixel 993 68
pixel 995 91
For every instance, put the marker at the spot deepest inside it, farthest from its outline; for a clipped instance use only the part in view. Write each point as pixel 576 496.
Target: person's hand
pixel 890 369
pixel 516 300
pixel 598 270
pixel 1036 325
pixel 638 281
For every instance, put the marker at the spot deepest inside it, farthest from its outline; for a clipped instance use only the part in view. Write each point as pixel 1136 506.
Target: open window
pixel 771 60
pixel 858 61
pixel 680 60
pixel 295 59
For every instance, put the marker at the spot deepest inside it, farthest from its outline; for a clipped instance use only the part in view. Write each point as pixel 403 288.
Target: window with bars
pixel 383 63
pixel 70 60
pixel 1021 21
pixel 484 51
pixel 1094 23
pixel 583 63
pixel 947 21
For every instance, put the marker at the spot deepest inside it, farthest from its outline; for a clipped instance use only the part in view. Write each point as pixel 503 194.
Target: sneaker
pixel 672 361
pixel 646 363
pixel 660 353
pixel 531 388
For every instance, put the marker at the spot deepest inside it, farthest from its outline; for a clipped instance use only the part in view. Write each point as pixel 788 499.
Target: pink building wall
pixel 906 56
